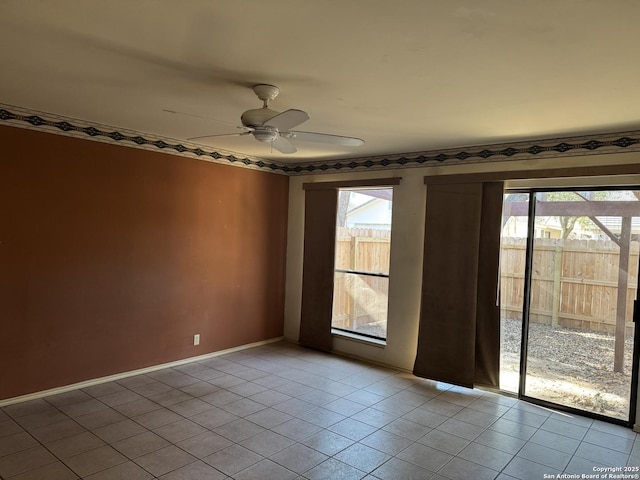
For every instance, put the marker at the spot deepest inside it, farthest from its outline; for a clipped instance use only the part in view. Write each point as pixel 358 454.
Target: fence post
pixel 353 266
pixel 353 253
pixel 557 274
pixel 621 304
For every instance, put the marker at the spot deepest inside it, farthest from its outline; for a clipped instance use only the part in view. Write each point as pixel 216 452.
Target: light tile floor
pixel 284 412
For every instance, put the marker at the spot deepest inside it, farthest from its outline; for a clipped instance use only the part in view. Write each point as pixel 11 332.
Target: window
pixel 362 251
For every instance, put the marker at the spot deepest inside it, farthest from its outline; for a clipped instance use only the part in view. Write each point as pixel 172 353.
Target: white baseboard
pixel 120 376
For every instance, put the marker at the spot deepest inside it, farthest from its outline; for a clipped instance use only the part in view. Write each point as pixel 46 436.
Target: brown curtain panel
pixel 487 361
pixel 459 332
pixel 319 259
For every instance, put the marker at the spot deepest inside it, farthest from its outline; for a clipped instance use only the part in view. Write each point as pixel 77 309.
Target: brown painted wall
pixel 112 258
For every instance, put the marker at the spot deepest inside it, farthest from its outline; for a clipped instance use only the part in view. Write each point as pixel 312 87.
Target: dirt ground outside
pixel 568 367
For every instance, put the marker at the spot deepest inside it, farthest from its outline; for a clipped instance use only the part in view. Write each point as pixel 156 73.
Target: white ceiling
pixel 405 76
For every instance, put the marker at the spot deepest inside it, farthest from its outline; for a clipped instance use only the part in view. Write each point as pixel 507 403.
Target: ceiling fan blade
pixel 283 145
pixel 326 138
pixel 220 135
pixel 288 119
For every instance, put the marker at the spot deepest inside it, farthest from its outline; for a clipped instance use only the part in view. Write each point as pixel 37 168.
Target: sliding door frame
pixel 633 399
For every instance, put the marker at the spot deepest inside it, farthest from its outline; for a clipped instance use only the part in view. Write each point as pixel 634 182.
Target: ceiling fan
pixel 273 127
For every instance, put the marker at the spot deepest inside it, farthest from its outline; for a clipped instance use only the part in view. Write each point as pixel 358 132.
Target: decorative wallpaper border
pixel 45 122
pixel 550 148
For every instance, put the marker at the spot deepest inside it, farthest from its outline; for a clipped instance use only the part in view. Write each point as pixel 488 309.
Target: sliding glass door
pixel 513 255
pixel 578 289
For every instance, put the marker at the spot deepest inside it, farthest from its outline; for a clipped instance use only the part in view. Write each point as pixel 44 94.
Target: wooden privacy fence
pixel 574 283
pixel 363 249
pixel 357 299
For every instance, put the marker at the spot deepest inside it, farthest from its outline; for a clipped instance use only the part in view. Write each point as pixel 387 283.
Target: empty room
pixel 319 240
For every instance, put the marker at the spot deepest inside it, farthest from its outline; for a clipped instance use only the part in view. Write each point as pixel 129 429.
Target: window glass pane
pixel 363 245
pixel 583 284
pixel 513 246
pixel 360 304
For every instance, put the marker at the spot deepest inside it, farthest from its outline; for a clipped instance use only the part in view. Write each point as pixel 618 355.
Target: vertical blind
pixel 459 330
pixel 318 263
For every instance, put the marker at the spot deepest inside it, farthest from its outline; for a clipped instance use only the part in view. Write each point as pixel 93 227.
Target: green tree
pixel 568 223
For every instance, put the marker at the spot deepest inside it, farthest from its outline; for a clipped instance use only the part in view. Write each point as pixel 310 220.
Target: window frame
pixel 318 272
pixel 352 334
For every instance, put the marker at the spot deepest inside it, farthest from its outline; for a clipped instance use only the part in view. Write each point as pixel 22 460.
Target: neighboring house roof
pixel 363 206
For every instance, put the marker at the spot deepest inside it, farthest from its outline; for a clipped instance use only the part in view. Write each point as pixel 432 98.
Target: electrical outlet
pixel 196 339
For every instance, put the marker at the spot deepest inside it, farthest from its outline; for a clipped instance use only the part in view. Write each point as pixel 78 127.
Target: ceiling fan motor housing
pixel 257 117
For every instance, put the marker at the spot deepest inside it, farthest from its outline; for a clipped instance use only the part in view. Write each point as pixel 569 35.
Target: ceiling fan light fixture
pixel 265 134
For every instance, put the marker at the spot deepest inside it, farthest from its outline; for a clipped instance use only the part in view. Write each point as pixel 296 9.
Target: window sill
pixel 359 338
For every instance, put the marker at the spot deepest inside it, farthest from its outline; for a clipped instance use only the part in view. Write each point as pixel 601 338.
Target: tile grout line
pixel 311 370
